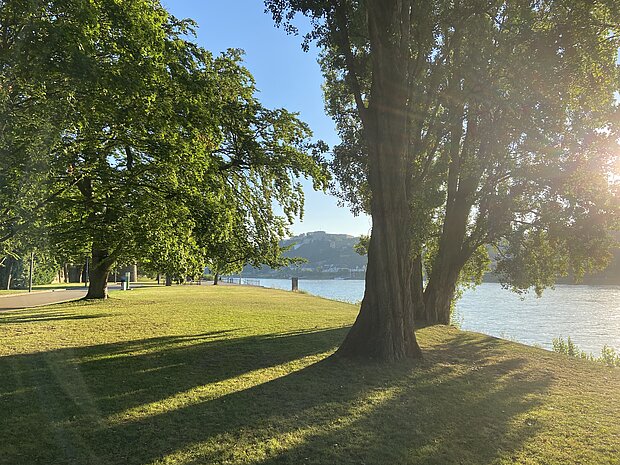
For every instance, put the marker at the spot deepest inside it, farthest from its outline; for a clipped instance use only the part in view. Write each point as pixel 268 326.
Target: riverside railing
pixel 241 281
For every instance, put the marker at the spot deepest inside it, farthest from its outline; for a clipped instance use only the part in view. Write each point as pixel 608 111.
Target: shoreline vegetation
pixel 608 355
pixel 244 375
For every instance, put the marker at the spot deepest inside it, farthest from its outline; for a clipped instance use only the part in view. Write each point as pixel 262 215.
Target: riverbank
pixel 240 375
pixel 588 314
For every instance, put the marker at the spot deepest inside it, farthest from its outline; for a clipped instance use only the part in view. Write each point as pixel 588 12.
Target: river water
pixel 590 315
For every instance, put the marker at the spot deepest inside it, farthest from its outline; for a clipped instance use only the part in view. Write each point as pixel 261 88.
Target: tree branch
pixel 343 41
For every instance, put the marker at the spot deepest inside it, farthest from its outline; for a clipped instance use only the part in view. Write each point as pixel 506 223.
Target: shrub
pixel 608 357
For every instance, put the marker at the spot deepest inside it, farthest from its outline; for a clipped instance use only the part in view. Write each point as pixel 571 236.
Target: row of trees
pixel 123 140
pixel 468 125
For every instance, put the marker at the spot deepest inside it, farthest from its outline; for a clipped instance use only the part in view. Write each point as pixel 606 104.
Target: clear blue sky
pixel 286 77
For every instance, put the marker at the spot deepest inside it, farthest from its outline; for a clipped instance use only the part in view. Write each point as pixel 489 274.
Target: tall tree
pixel 150 114
pixel 265 153
pixel 30 123
pixel 373 47
pixel 525 148
pixel 531 147
pixel 510 108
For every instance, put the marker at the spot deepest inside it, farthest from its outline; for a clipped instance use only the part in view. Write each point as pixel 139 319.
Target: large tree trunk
pixel 447 266
pixel 384 328
pixel 168 279
pixel 98 272
pixel 451 258
pixel 439 296
pixel 216 279
pixel 462 184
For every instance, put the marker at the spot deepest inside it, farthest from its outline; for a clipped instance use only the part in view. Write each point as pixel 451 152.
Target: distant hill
pixel 326 255
pixel 331 256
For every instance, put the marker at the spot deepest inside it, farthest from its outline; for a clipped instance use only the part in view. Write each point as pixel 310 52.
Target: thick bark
pixel 98 271
pixel 384 328
pixel 168 280
pixel 451 258
pixel 439 295
pixel 463 181
pixel 216 279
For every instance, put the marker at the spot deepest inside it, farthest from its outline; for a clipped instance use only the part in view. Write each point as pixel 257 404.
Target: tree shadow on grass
pixel 210 398
pixel 27 316
pixel 464 404
pixel 51 402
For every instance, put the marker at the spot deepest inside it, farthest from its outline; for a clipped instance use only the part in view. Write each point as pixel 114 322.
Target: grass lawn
pixel 233 375
pixel 12 291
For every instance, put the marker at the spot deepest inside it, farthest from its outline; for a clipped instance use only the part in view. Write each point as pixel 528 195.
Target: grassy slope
pixel 239 375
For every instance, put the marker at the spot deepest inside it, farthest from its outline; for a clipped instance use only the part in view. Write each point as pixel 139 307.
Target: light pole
pixel 30 271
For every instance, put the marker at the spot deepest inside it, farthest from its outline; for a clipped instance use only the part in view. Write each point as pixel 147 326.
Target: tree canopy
pixel 510 131
pixel 158 149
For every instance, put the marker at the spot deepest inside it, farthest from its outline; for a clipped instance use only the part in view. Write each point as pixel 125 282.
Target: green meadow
pixel 240 375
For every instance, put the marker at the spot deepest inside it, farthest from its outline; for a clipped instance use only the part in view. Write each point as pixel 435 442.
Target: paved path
pixel 36 299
